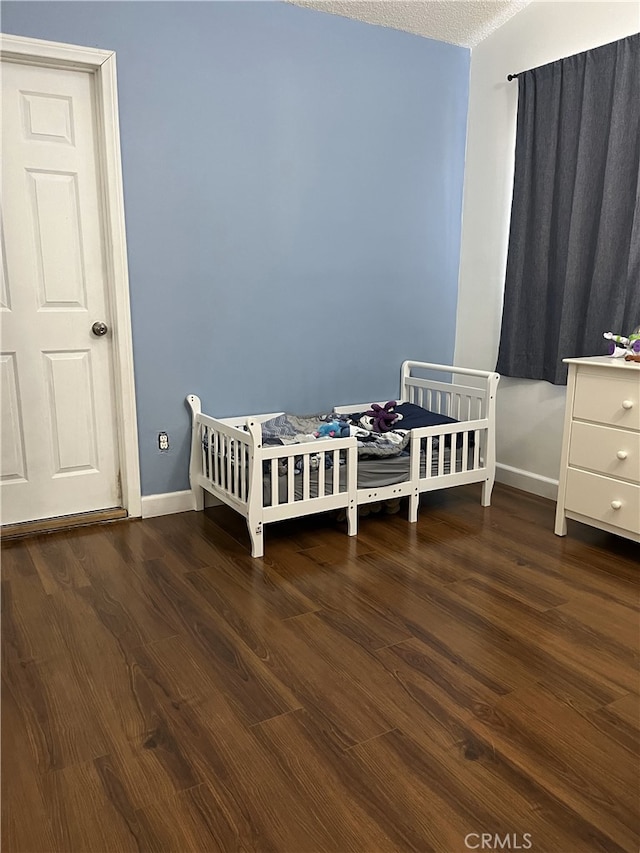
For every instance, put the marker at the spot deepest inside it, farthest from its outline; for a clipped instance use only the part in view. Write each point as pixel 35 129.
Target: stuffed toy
pixel 381 418
pixel 619 345
pixel 330 430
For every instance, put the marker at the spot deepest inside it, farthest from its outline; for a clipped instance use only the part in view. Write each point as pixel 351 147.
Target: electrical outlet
pixel 163 441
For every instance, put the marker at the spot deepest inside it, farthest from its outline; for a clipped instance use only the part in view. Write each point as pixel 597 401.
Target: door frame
pixel 102 64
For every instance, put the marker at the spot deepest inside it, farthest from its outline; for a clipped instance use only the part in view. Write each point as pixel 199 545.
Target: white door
pixel 59 436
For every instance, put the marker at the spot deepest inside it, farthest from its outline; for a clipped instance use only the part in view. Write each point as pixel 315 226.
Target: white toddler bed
pixel 266 483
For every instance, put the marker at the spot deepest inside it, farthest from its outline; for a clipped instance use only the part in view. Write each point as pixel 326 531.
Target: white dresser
pixel 600 468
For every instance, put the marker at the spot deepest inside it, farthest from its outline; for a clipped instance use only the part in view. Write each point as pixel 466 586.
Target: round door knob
pixel 616 504
pixel 99 329
pixel 622 454
pixel 627 404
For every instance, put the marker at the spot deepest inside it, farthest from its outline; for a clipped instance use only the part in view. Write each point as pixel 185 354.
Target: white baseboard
pixel 167 504
pixel 527 481
pixel 172 502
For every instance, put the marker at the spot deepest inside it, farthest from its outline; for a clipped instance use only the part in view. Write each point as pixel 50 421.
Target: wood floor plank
pixel 56 712
pixel 446 704
pixel 439 694
pixel 436 549
pixel 508 656
pixel 345 815
pixel 104 827
pixel 22 795
pixel 619 721
pixel 198 820
pixel 253 791
pixel 129 607
pixel 611 620
pixel 364 619
pixel 606 561
pixel 573 639
pixel 253 584
pixel 318 668
pixel 30 630
pixel 55 563
pixel 256 694
pixel 423 794
pixel 16 561
pixel 564 754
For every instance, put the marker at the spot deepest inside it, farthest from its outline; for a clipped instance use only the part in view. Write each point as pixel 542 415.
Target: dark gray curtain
pixel 573 265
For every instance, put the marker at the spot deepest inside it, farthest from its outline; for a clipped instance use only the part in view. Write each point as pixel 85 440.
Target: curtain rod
pixel 511 77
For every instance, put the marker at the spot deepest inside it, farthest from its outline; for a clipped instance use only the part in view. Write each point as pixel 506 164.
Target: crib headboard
pixel 446 394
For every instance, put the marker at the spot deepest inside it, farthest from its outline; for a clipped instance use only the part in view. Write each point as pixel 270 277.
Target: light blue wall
pixel 293 186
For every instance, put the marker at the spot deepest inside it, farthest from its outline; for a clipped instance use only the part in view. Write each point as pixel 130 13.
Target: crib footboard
pixel 267 483
pixel 221 458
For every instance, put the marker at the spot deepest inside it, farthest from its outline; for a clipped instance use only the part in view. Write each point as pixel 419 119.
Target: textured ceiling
pixel 461 22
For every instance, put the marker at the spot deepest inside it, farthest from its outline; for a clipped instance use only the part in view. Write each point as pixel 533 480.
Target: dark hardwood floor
pixel 405 690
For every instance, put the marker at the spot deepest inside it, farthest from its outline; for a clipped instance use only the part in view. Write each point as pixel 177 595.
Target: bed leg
pixel 487 488
pixel 195 461
pixel 257 541
pixel 352 519
pixel 414 503
pixel 198 498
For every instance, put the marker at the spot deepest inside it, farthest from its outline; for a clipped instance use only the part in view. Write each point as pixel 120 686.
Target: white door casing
pixel 69 441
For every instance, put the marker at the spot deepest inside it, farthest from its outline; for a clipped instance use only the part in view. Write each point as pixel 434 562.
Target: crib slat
pixel 306 462
pixel 203 436
pixel 336 471
pixel 441 456
pixel 291 489
pixel 210 455
pixel 275 491
pixel 321 474
pixel 236 469
pixel 243 473
pixel 216 459
pixel 476 448
pixel 465 451
pixel 428 459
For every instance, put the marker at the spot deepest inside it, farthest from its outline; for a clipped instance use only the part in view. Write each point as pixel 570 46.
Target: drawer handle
pixel 616 504
pixel 627 404
pixel 622 454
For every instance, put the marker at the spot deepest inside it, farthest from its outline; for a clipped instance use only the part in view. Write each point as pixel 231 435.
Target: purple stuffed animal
pixel 382 417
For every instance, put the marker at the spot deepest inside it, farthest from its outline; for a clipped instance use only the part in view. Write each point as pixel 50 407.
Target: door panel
pixel 60 453
pixel 13 457
pixel 58 241
pixel 72 415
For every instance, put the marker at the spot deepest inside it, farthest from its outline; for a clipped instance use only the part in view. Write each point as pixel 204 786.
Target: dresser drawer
pixel 593 495
pixel 608 399
pixel 599 448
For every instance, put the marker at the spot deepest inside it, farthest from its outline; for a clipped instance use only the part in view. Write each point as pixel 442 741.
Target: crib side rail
pixel 309 477
pixel 444 451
